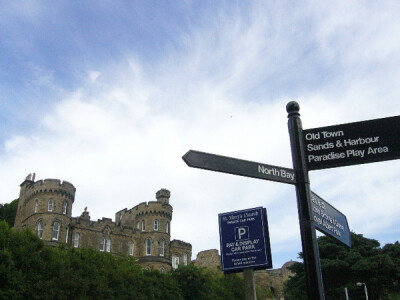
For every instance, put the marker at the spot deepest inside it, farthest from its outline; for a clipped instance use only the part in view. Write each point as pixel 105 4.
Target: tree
pixel 365 261
pixel 201 283
pixel 8 212
pixel 31 270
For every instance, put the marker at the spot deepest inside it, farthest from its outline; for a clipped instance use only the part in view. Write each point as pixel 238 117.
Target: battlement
pixel 181 243
pixel 152 207
pixel 105 220
pixel 48 185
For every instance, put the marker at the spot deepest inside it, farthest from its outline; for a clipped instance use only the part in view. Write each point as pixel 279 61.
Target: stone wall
pixel 267 279
pixel 208 259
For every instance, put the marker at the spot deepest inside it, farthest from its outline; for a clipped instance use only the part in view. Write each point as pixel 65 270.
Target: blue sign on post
pixel 329 220
pixel 244 240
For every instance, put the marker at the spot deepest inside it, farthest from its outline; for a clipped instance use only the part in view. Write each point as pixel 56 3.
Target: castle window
pixel 167 228
pixel 156 223
pixel 162 270
pixel 66 236
pixel 138 225
pixel 36 205
pixel 148 246
pixel 143 225
pixel 50 205
pixel 40 229
pixel 76 239
pixel 131 248
pixel 65 207
pixel 108 245
pixel 185 259
pixel 175 261
pixel 161 247
pixel 119 219
pixel 105 244
pixel 56 231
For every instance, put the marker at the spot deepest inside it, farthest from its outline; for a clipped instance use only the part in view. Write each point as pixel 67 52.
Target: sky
pixel 109 95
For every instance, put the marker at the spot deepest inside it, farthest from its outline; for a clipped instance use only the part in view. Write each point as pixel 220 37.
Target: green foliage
pixel 200 283
pixel 343 267
pixel 31 270
pixel 8 212
pixel 263 293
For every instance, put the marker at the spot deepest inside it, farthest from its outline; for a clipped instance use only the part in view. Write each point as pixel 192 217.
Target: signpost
pixel 352 143
pixel 244 240
pixel 312 149
pixel 329 220
pixel 312 264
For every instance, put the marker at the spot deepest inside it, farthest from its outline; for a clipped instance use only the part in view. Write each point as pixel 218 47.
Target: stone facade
pixel 274 279
pixel 208 259
pixel 143 231
pixel 267 279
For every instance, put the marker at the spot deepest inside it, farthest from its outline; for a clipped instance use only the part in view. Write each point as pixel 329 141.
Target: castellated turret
pixel 45 206
pixel 163 196
pixel 152 221
pixel 143 231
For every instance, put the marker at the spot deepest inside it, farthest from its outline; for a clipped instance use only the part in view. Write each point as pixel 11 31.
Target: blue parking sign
pixel 244 240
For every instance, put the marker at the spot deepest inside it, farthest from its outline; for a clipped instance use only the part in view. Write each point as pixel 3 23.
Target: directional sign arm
pixel 219 163
pixel 329 220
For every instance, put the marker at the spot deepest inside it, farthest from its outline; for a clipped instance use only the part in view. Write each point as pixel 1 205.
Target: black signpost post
pixel 312 263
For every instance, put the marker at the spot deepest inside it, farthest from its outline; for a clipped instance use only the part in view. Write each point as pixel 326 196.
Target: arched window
pixel 131 248
pixel 185 259
pixel 175 261
pixel 56 231
pixel 105 244
pixel 148 246
pixel 36 205
pixel 167 227
pixel 138 225
pixel 65 207
pixel 162 270
pixel 161 249
pixel 67 235
pixel 156 223
pixel 77 236
pixel 50 205
pixel 143 225
pixel 108 245
pixel 40 228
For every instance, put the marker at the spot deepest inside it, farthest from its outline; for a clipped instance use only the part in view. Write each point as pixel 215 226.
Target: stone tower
pixel 45 206
pixel 152 221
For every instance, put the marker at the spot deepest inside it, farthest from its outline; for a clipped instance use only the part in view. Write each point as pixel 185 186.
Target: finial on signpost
pixel 293 109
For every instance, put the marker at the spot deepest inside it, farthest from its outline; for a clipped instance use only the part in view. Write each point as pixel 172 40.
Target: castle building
pixel 143 231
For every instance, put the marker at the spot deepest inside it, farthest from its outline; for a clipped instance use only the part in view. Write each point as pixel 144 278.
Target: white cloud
pixel 120 136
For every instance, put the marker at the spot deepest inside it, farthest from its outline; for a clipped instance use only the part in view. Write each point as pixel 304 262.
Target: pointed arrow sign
pixel 236 166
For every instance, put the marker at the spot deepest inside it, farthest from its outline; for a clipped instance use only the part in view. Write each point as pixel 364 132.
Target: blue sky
pixel 109 96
